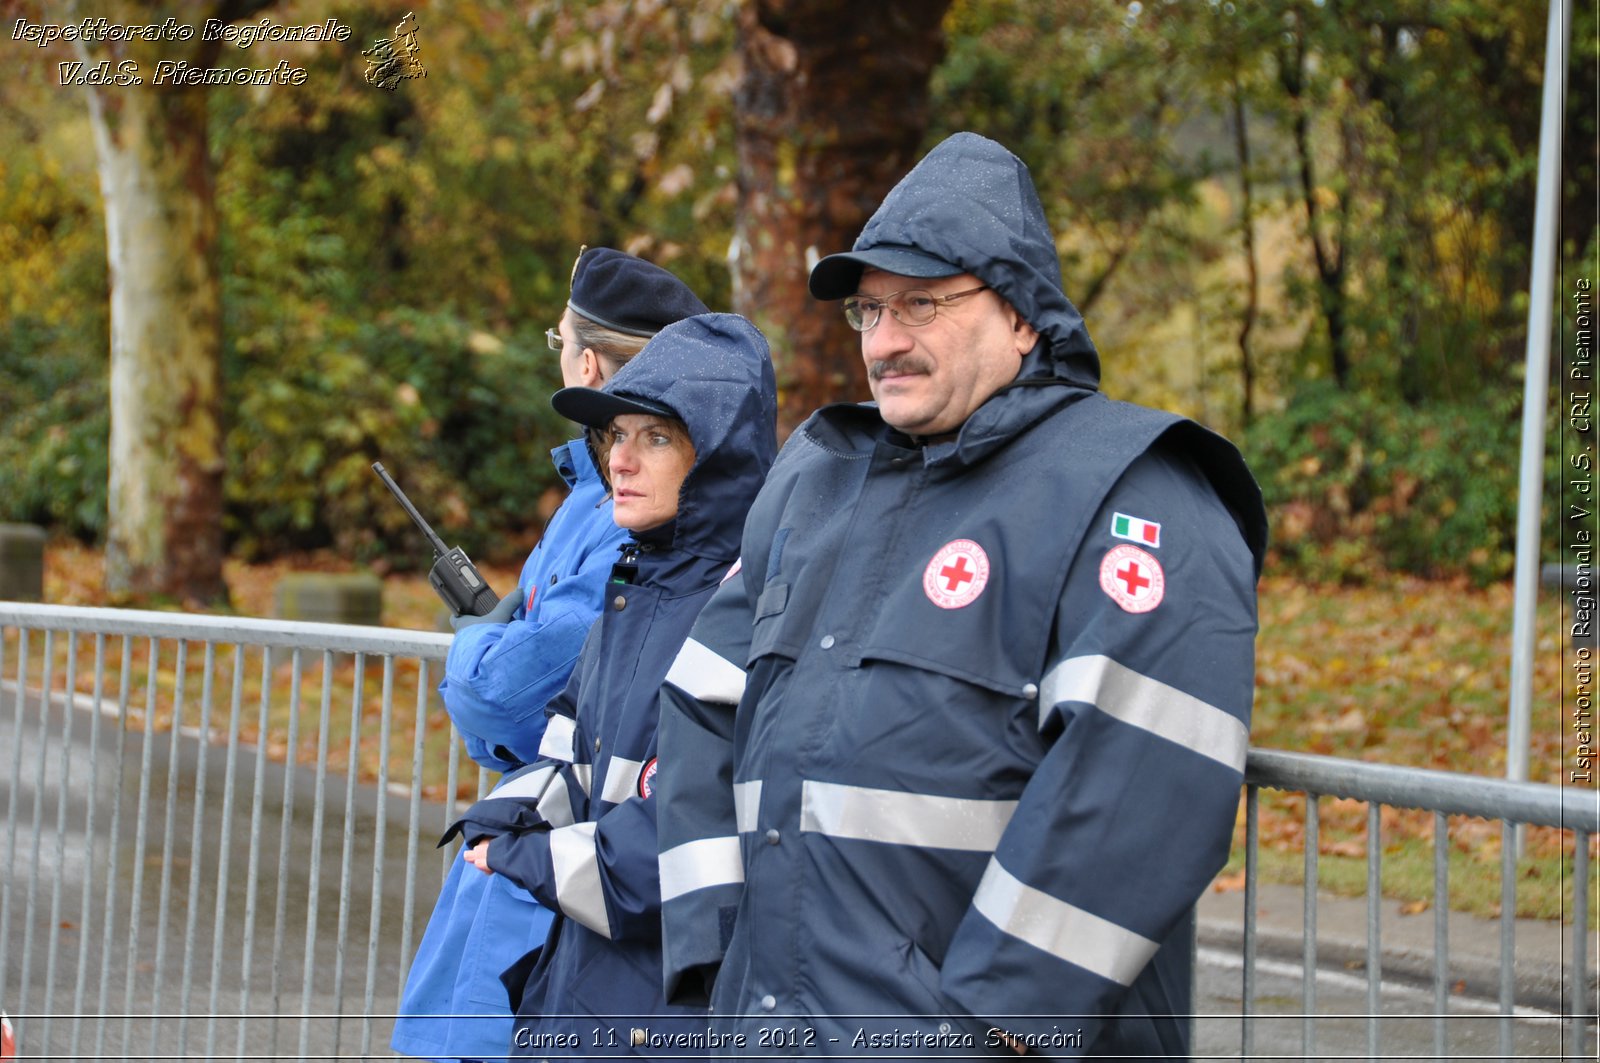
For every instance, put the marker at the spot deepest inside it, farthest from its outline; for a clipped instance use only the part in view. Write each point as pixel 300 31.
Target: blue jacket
pixel 577 828
pixel 498 679
pixel 969 725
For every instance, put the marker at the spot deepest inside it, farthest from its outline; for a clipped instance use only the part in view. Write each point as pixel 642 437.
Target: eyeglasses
pixel 911 307
pixel 553 338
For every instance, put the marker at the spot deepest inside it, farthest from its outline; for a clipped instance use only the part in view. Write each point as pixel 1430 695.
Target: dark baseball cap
pixel 838 276
pixel 596 408
pixel 628 294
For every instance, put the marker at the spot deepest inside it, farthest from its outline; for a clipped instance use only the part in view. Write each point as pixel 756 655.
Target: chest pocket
pixel 957 611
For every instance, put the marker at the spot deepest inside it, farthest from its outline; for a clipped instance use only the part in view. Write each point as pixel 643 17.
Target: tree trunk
pixel 832 110
pixel 1247 230
pixel 1329 260
pixel 166 449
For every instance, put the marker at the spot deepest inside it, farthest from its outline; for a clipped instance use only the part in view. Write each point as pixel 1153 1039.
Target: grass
pixel 1407 671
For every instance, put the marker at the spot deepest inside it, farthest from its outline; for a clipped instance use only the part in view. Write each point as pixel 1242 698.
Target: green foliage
pixel 1356 485
pixel 458 416
pixel 391 259
pixel 53 450
pixel 53 316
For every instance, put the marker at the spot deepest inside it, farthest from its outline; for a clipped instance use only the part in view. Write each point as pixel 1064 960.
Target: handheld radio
pixel 454 577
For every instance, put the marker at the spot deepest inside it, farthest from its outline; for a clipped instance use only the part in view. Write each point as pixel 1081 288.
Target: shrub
pixel 1356 485
pixel 54 425
pixel 460 419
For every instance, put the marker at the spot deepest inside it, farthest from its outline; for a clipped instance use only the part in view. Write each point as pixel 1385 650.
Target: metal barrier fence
pixel 113 791
pixel 143 910
pixel 1576 810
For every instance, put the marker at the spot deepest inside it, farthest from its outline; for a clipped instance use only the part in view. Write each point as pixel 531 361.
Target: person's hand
pixel 500 614
pixel 478 856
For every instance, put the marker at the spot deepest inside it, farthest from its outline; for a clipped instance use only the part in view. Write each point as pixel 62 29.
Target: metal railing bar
pixel 333 638
pixel 1374 930
pixel 347 843
pixel 46 678
pixel 319 803
pixel 1508 944
pixel 58 879
pixel 170 830
pixel 1535 804
pixel 225 851
pixel 1441 929
pixel 251 896
pixel 85 911
pixel 142 835
pixel 297 672
pixel 1580 944
pixel 197 849
pixel 11 790
pixel 379 830
pixel 124 694
pixel 1308 987
pixel 1252 840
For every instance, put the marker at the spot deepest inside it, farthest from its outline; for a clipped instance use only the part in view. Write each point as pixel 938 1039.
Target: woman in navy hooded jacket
pixel 504 668
pixel 577 828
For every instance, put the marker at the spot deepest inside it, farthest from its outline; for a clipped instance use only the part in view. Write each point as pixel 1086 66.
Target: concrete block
pixel 21 563
pixel 330 597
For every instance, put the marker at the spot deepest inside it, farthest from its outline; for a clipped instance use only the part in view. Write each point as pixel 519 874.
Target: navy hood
pixel 972 203
pixel 714 373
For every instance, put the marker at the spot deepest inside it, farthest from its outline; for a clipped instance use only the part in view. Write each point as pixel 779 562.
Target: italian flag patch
pixel 1147 532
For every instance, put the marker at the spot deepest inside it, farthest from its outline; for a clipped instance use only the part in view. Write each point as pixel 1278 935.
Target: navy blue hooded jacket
pixel 577 827
pixel 970 723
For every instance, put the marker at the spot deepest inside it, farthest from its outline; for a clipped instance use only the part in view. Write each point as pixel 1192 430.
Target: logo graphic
pixel 647 775
pixel 392 61
pixel 1147 532
pixel 1133 579
pixel 956 575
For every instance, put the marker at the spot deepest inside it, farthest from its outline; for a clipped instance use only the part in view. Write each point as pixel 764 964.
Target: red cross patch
pixel 956 575
pixel 1133 579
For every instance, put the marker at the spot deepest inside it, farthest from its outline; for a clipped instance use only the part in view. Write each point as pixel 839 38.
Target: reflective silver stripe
pixel 555 807
pixel 697 865
pixel 1061 929
pixel 1148 704
pixel 622 780
pixel 557 741
pixel 746 805
pixel 584 773
pixel 525 786
pixel 703 674
pixel 577 870
pixel 935 822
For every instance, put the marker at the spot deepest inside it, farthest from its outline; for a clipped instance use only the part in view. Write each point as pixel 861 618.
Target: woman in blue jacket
pixel 686 435
pixel 504 668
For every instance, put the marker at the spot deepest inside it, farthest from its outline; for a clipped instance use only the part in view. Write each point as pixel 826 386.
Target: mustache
pixel 906 363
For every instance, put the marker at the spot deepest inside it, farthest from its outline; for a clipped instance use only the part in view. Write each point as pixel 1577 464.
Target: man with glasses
pixel 945 766
pixel 505 667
